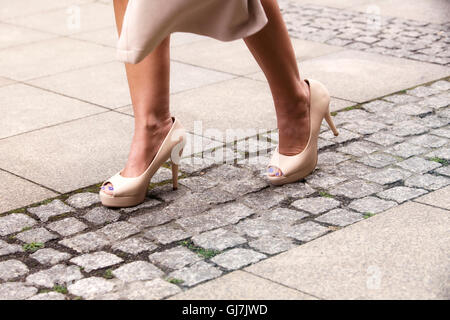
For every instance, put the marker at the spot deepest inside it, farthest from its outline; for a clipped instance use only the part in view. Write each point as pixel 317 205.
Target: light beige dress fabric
pixel 148 22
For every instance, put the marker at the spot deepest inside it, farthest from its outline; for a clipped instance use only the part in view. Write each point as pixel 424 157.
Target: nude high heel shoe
pixel 296 167
pixel 130 192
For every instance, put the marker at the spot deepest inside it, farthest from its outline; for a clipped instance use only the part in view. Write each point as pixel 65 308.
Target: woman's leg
pixel 149 83
pixel 272 49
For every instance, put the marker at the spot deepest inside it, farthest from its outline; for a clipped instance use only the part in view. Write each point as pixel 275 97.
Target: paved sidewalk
pixel 378 197
pixel 401 253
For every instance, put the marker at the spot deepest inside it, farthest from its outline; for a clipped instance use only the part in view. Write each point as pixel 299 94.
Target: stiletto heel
pixel 175 176
pixel 330 122
pixel 296 167
pixel 128 192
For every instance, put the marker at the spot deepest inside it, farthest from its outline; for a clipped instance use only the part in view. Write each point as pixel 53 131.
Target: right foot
pixel 144 146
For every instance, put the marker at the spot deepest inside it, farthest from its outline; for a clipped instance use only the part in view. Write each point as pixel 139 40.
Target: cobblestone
pixel 442 153
pixel 56 275
pixel 371 204
pixel 307 231
pixel 16 291
pixel 283 216
pixel 215 218
pixel 48 296
pixel 263 200
pixel 406 150
pixel 6 248
pixel 295 190
pixel 15 222
pixel 96 260
pixel 67 226
pixel 356 189
pixel 331 159
pixel 344 136
pixel 155 289
pixel 50 256
pixel 378 160
pixel 258 227
pixel 384 139
pixel 134 245
pixel 150 219
pixel 167 234
pixel 350 169
pixel 387 176
pixel 85 242
pixel 101 215
pixel 340 217
pixel 54 208
pixel 429 141
pixel 219 239
pixel 427 181
pixel 409 128
pixel 316 205
pixel 11 269
pixel 89 288
pixel 358 148
pixel 398 37
pixel 364 127
pixel 83 200
pixel 271 245
pixel 174 258
pixel 197 273
pixel 401 194
pixel 137 271
pixel 237 258
pixel 118 230
pixel 149 203
pixel 444 171
pixel 324 180
pixel 418 165
pixel 41 235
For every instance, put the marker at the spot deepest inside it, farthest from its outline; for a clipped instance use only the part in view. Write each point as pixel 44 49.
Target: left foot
pixel 293 128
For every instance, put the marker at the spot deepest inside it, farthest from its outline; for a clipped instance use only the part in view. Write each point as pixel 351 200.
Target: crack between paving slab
pixel 281 284
pixel 429 205
pixel 31 181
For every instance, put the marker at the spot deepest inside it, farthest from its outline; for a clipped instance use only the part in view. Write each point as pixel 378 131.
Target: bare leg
pixel 149 83
pixel 272 49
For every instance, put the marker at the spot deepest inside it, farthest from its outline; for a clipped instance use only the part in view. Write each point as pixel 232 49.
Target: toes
pixel 108 188
pixel 274 172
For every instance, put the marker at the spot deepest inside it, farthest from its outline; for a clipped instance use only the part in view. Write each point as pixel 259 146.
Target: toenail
pixel 270 170
pixel 103 188
pixel 277 174
pixel 110 188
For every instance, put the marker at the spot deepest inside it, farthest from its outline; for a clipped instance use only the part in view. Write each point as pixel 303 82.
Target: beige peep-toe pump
pixel 128 192
pixel 296 167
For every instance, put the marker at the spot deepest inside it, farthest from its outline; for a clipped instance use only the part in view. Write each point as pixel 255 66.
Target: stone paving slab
pixel 50 57
pixel 17 192
pixel 346 73
pixel 385 257
pixel 55 158
pixel 438 198
pixel 92 16
pixel 26 7
pixel 239 285
pixel 224 58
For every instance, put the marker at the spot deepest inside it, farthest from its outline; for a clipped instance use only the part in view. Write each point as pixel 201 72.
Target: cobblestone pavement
pixel 369 31
pixel 225 216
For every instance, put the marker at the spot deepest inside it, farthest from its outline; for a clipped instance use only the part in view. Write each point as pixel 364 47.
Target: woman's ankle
pixel 294 104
